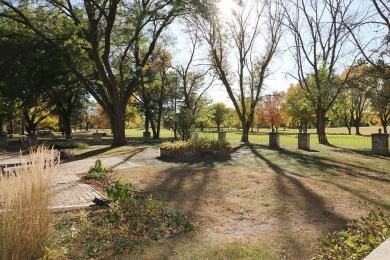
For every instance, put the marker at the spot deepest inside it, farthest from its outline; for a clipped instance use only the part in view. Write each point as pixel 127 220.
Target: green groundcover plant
pixel 361 237
pixel 98 172
pixel 131 222
pixel 202 144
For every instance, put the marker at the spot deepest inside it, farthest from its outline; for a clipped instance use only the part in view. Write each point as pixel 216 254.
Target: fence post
pixel 97 137
pixel 221 136
pixel 380 143
pixel 274 140
pixel 304 141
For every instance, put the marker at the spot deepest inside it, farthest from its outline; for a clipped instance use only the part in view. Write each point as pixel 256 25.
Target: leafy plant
pixel 98 172
pixel 132 221
pixel 360 238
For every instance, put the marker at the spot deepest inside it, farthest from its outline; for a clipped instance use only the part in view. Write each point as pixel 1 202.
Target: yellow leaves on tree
pixel 270 111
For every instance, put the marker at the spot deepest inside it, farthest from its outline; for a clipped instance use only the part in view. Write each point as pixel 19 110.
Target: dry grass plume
pixel 24 202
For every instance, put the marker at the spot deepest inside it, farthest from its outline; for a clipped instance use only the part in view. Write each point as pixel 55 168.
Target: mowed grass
pixel 263 204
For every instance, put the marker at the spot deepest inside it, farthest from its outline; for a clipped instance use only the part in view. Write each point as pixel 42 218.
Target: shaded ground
pixel 283 200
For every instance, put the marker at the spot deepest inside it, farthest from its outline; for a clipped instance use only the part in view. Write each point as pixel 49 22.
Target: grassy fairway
pixel 264 204
pixel 288 138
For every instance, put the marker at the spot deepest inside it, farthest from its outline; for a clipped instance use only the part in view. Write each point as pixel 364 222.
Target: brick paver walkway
pixel 69 192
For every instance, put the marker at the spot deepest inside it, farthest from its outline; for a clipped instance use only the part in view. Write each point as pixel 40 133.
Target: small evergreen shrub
pixel 360 238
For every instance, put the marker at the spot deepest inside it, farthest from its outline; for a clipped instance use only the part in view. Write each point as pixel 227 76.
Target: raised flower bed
pixel 189 151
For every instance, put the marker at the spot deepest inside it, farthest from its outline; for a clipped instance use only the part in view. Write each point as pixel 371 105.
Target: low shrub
pixel 98 172
pixel 202 144
pixel 361 237
pixel 70 145
pixel 132 221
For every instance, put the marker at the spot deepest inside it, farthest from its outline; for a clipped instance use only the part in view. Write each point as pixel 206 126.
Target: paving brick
pixel 68 192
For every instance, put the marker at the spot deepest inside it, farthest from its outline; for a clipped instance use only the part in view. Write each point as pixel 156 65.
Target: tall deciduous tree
pixel 380 102
pixel 297 108
pixel 254 32
pixel 192 74
pixel 220 113
pixel 104 34
pixel 321 49
pixel 270 110
pixel 154 87
pixel 358 94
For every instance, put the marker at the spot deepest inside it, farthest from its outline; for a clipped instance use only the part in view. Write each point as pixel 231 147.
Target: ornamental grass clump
pixel 24 204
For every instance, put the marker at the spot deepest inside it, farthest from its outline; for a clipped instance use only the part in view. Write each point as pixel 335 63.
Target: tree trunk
pixel 357 127
pixel 22 128
pixel 385 122
pixel 219 127
pixel 118 130
pixel 245 132
pixel 11 125
pixel 321 128
pixel 67 127
pixel 86 124
pixel 158 127
pixel 154 129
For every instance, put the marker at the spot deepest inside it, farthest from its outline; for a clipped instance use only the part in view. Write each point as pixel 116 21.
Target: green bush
pixel 98 172
pixel 202 144
pixel 70 145
pixel 360 238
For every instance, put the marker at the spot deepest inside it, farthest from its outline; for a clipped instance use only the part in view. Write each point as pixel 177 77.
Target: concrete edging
pixel 382 252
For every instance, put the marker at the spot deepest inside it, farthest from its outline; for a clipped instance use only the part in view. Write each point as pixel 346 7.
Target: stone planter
pixel 221 136
pixel 380 144
pixel 304 141
pixel 147 137
pixel 97 138
pixel 274 140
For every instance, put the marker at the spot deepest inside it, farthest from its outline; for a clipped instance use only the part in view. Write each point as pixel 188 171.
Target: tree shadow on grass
pixel 128 153
pixel 322 162
pixel 89 154
pixel 378 202
pixel 327 165
pixel 185 184
pixel 295 198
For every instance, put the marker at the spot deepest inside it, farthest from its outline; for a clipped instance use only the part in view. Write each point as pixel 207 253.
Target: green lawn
pixel 288 138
